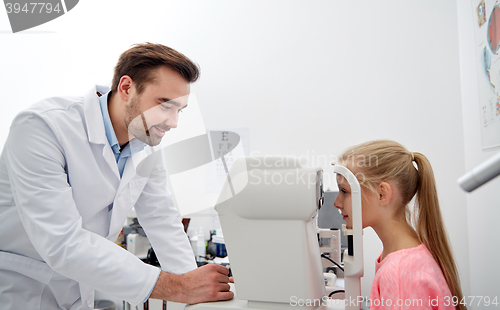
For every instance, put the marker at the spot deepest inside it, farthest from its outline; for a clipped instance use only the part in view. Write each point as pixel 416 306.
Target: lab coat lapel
pixel 95 127
pixel 122 203
pixel 129 190
pixel 110 159
pixel 128 174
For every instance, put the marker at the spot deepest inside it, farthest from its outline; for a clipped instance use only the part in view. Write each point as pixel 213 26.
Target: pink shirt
pixel 409 279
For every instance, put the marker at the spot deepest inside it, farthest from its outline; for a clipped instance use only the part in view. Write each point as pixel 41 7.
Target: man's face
pixel 149 115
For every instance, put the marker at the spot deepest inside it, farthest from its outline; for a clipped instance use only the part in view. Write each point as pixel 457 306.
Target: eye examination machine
pixel 272 238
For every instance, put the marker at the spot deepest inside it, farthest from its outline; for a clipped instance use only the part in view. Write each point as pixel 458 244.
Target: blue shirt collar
pixel 110 132
pixel 133 146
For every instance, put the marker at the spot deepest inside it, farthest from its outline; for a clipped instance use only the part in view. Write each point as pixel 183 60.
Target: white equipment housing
pixel 353 262
pixel 270 234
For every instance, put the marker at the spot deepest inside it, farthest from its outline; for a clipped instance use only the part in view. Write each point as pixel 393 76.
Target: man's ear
pixel 385 193
pixel 125 87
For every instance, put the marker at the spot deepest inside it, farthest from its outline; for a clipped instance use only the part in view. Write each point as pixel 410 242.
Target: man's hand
pixel 204 284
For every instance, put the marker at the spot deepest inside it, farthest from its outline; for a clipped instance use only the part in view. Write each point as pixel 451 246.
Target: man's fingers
pixel 220 273
pixel 222 269
pixel 208 283
pixel 225 295
pixel 217 277
pixel 224 287
pixel 217 268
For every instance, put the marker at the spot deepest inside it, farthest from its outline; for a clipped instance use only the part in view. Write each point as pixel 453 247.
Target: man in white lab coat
pixel 67 183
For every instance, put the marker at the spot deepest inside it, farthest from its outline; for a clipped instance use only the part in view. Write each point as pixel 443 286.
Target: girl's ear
pixel 385 193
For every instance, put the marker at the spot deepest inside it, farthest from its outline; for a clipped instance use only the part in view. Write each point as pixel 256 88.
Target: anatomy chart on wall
pixel 487 33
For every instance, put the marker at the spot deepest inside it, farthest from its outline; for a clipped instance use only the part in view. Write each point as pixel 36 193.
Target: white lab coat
pixel 58 175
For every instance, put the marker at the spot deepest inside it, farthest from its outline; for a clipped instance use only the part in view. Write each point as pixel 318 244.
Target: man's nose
pixel 171 120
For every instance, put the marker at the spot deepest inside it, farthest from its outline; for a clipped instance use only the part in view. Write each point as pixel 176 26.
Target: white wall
pixel 483 204
pixel 308 78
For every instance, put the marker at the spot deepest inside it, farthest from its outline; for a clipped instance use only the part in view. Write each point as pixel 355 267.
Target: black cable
pixel 324 256
pixel 335 292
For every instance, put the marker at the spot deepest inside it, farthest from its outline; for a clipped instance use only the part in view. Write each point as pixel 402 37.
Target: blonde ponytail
pixel 430 226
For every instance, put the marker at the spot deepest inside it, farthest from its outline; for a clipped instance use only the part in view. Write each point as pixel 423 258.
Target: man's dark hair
pixel 141 60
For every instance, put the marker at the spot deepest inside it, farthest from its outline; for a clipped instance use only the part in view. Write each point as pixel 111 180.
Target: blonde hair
pixel 385 160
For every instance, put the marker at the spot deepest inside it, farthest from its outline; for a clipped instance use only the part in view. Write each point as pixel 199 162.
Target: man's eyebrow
pixel 166 100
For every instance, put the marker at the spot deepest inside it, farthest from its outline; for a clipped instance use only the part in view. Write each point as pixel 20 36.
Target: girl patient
pixel 415 269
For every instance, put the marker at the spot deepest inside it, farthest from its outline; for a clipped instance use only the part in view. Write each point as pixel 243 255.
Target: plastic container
pixel 220 246
pixel 200 246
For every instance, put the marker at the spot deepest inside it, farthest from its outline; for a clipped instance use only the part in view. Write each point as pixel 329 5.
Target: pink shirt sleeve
pixel 410 279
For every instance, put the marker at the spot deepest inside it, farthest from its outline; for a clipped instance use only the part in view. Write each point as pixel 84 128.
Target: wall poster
pixel 487 34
